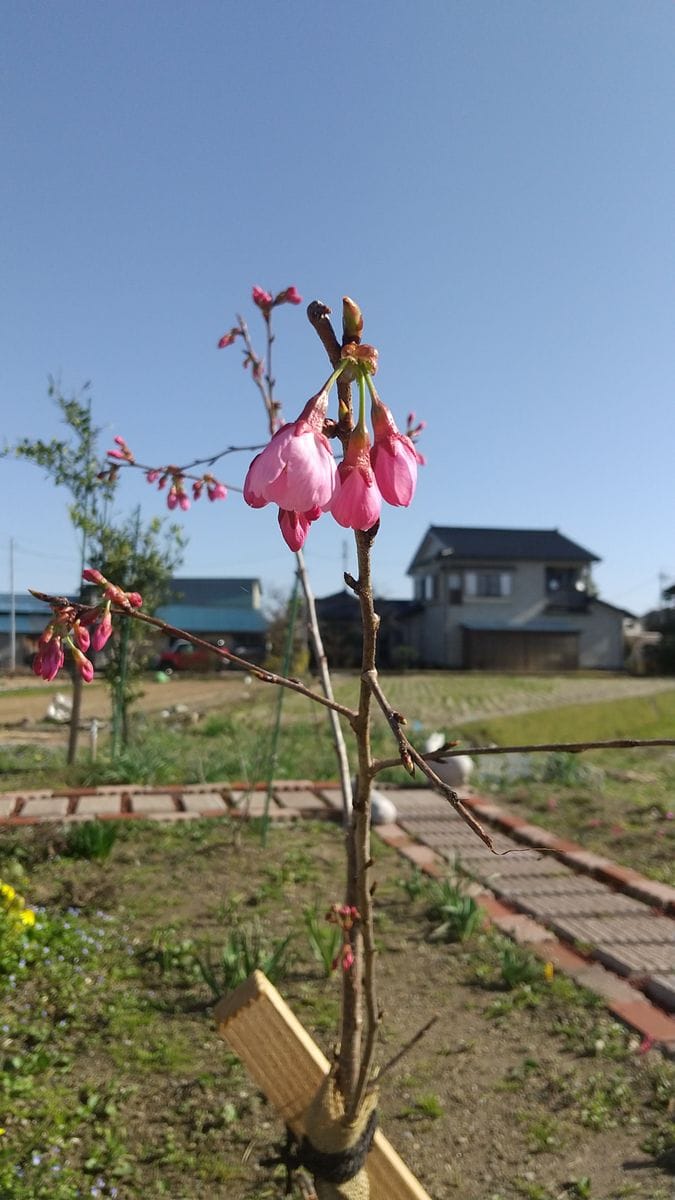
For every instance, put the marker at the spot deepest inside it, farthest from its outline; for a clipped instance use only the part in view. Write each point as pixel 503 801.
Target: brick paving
pixel 603 924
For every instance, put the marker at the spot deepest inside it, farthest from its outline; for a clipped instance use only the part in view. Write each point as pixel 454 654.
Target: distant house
pixel 223 611
pixel 510 599
pixel 340 620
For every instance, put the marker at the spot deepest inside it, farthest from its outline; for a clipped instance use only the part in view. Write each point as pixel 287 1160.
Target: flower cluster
pixel 265 301
pixel 346 916
pixel 15 916
pixel 81 628
pixel 298 472
pixel 177 494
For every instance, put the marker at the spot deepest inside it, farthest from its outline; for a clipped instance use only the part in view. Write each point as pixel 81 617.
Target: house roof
pixel 535 626
pixel 213 618
pixel 344 606
pixel 498 545
pixel 216 592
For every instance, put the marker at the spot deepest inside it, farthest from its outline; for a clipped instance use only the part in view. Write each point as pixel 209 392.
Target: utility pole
pixel 12 610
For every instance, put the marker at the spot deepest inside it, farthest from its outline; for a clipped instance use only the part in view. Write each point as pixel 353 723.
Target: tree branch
pixel 259 672
pixel 451 750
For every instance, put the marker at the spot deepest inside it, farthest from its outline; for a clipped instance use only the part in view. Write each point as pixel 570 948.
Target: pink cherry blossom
pixel 296 470
pixel 216 491
pixel 393 456
pixel 357 501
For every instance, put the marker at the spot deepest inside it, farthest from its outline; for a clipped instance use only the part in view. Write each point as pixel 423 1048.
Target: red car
pixel 183 656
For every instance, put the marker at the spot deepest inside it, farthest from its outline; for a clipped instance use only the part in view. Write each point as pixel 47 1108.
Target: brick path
pixel 607 926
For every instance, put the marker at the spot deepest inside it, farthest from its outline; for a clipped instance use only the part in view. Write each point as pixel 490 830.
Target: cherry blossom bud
pixel 81 635
pixel 347 957
pixel 152 476
pixel 352 319
pixel 134 599
pixel 197 488
pixel 172 497
pixel 228 338
pixel 290 295
pixel 102 631
pixel 50 656
pixel 93 576
pixel 357 501
pixel 84 665
pixel 115 454
pixel 262 298
pixel 183 501
pixel 295 527
pixel 216 491
pixel 393 457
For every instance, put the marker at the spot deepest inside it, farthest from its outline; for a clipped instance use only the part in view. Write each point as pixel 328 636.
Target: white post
pixel 12 610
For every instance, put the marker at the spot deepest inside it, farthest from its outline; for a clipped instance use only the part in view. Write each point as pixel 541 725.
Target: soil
pixel 529 1093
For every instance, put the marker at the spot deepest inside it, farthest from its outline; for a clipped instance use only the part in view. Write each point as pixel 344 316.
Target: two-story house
pixel 510 599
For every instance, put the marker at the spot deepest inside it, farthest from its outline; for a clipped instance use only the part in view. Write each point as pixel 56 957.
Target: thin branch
pixel 263 386
pixel 395 720
pixel 417 1037
pixel 318 315
pixel 450 750
pixel 568 747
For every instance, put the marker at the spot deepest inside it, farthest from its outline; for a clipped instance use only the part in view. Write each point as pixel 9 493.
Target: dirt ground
pixel 24 702
pixel 529 1093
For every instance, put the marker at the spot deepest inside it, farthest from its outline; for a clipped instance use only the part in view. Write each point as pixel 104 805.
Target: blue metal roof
pixel 26 623
pixel 213 618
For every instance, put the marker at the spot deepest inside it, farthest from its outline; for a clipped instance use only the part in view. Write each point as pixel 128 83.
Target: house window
pixel 563 579
pixel 424 587
pixel 454 588
pixel 488 584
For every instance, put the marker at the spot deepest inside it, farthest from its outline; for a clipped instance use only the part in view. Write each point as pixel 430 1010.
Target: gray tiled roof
pixel 503 545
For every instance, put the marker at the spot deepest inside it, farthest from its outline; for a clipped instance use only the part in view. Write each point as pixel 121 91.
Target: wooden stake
pixel 288 1066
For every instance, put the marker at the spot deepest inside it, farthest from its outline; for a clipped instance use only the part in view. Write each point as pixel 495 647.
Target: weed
pixel 544 1134
pixel 244 952
pixel 456 916
pixel 565 769
pixel 415 884
pixel 428 1106
pixel 518 967
pixel 324 938
pixel 92 840
pixel 579 1189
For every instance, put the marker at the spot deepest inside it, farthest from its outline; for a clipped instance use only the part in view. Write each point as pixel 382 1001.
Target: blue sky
pixel 494 183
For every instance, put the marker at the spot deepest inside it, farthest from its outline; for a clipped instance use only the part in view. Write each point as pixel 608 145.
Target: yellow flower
pixel 27 917
pixel 2 1131
pixel 549 971
pixel 8 892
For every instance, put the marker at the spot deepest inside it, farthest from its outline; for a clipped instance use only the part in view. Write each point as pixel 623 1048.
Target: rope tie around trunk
pixel 334 1149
